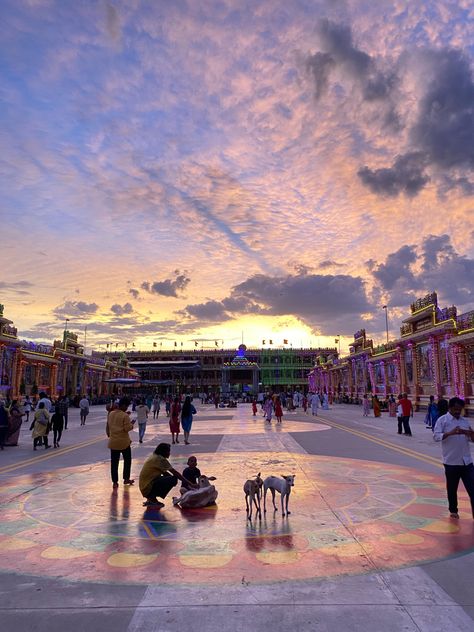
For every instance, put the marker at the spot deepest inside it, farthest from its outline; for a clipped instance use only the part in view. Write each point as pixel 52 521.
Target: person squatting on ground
pixel 118 426
pixel 455 433
pixel 142 411
pixel 157 477
pixel 40 427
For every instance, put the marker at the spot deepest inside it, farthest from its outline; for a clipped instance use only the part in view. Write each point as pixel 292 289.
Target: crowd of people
pixel 47 415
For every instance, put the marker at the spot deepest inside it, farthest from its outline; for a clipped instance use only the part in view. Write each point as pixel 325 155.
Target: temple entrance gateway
pixel 240 375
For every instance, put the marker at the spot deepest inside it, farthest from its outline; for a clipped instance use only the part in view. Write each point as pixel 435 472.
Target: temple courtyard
pixel 368 545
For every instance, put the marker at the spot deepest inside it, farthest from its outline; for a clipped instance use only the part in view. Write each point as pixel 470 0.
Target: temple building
pixel 224 371
pixel 434 355
pixel 28 368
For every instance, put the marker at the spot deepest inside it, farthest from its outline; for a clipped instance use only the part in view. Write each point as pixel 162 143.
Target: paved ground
pixel 368 544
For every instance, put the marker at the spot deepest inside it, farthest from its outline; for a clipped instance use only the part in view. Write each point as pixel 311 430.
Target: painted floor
pixel 377 524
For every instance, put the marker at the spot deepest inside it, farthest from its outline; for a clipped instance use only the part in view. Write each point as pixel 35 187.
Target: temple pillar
pixel 435 366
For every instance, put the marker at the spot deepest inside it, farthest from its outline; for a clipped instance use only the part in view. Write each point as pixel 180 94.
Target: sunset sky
pixel 194 169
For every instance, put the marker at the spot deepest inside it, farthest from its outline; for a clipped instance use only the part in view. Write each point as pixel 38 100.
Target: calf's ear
pixel 211 478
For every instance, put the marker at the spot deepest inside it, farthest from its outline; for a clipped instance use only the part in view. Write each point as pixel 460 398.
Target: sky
pixel 224 169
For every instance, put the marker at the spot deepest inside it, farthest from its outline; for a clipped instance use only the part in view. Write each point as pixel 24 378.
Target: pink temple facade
pixel 434 355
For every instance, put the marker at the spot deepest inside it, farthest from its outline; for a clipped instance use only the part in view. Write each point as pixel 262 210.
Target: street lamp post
pixel 385 307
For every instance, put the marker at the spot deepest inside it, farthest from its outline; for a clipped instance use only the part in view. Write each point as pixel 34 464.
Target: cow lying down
pixel 195 498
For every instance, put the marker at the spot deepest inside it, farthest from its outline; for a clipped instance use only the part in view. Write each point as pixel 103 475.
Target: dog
pixel 282 485
pixel 253 493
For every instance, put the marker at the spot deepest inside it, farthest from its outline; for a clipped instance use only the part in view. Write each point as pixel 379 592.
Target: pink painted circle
pixel 347 517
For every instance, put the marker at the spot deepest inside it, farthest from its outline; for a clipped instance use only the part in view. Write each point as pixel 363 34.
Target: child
pixel 191 473
pixel 254 407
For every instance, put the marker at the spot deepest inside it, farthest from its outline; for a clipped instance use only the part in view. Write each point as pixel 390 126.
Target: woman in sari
pixel 14 424
pixel 376 406
pixel 392 406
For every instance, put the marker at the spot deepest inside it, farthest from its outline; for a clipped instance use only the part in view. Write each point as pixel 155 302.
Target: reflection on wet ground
pixel 348 516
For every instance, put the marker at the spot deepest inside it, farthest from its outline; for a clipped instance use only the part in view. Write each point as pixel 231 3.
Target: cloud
pixel 442 269
pixel 76 309
pixel 169 287
pixel 440 141
pixel 16 287
pixel 135 293
pixel 320 301
pixel 339 51
pixel 120 310
pixel 210 311
pixel 405 176
pixel 444 129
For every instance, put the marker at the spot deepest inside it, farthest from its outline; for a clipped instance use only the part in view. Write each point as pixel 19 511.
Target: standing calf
pixel 282 485
pixel 252 491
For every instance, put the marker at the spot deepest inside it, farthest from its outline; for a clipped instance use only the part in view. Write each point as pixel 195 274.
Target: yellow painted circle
pixel 130 560
pixel 406 538
pixel 63 553
pixel 16 544
pixel 441 526
pixel 278 557
pixel 350 549
pixel 205 561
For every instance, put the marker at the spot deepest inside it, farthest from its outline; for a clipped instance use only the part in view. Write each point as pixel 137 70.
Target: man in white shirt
pixel 455 433
pixel 46 401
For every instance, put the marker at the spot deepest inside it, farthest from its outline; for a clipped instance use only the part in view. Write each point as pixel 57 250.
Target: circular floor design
pixel 348 517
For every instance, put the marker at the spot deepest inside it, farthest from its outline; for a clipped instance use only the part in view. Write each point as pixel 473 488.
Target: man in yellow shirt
pixel 118 426
pixel 157 477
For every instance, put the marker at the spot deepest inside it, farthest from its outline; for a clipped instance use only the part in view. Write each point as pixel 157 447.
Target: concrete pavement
pixel 368 543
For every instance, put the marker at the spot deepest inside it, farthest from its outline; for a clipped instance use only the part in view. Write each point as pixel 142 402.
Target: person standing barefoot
pixel 187 418
pixel 118 426
pixel 174 419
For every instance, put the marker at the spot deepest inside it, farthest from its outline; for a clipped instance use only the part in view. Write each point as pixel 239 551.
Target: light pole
pixel 384 307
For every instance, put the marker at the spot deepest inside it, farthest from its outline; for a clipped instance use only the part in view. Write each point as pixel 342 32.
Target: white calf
pixel 195 498
pixel 282 485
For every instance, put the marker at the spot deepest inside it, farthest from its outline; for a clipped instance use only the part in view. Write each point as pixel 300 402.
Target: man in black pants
pixel 117 429
pixel 157 477
pixel 455 433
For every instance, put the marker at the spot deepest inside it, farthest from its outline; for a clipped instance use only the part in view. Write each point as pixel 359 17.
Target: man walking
pixel 406 408
pixel 84 406
pixel 62 407
pixel 455 433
